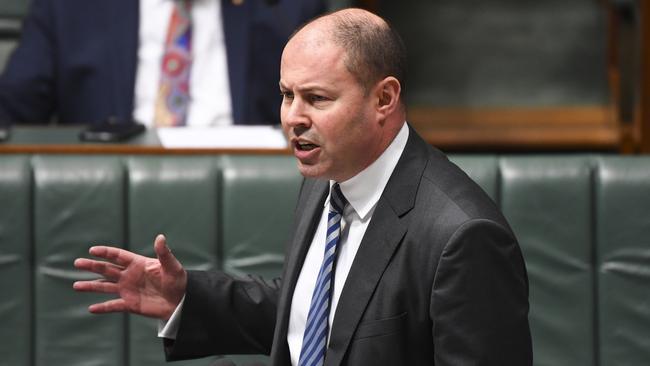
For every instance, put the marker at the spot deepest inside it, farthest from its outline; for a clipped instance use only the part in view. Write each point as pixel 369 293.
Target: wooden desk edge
pixel 132 150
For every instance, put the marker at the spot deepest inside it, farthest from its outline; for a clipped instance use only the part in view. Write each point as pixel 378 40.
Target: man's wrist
pixel 169 328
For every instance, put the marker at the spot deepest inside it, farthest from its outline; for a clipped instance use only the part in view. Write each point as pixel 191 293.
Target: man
pixel 422 269
pixel 86 61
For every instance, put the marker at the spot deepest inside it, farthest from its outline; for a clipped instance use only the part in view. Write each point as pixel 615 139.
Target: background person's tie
pixel 174 88
pixel 314 341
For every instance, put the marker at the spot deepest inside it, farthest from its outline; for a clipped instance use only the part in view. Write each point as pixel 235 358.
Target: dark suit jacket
pixel 77 60
pixel 439 279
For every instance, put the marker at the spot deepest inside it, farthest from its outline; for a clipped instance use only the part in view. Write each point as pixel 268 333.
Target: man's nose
pixel 295 114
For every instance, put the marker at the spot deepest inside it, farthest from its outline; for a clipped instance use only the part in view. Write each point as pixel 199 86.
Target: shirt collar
pixel 364 189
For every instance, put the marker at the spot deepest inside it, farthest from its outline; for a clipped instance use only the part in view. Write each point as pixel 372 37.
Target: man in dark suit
pixel 77 59
pixel 397 257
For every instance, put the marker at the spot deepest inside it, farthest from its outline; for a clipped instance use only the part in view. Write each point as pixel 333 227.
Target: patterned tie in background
pixel 174 89
pixel 314 341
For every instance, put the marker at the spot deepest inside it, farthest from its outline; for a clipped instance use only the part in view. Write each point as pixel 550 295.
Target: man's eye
pixel 317 98
pixel 286 95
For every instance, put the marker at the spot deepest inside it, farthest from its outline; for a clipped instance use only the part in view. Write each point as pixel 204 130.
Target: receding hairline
pixel 327 24
pixel 346 29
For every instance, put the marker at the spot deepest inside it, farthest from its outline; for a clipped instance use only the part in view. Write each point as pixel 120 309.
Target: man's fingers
pixel 108 270
pixel 110 306
pixel 118 256
pixel 167 260
pixel 96 286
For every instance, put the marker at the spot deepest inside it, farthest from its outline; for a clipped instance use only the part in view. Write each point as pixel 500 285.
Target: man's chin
pixel 313 171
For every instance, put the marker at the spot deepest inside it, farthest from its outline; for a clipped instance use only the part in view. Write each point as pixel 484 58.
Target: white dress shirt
pixel 362 192
pixel 210 103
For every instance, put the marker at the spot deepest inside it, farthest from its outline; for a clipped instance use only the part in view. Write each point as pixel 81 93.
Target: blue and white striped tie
pixel 314 341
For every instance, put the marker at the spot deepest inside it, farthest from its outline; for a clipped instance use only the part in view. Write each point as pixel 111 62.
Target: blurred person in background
pixel 158 62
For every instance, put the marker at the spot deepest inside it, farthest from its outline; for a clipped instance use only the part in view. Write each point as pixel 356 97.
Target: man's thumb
pixel 165 256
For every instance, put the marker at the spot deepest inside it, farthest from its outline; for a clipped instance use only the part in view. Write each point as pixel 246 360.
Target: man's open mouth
pixel 305 146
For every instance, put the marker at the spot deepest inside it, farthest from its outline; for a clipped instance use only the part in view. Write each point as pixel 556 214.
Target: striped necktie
pixel 173 90
pixel 314 341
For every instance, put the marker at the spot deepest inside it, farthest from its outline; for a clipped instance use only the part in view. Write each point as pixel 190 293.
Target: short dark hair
pixel 373 50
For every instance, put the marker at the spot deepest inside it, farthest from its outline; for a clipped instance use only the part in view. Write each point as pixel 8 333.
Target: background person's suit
pixel 77 60
pixel 439 279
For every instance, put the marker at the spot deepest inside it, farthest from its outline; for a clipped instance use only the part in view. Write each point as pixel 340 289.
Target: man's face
pixel 326 114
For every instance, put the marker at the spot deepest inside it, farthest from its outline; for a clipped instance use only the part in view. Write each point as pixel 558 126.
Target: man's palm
pixel 148 286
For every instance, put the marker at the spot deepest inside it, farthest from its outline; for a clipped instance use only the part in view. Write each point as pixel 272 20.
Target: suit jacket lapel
pixel 383 236
pixel 236 28
pixel 308 214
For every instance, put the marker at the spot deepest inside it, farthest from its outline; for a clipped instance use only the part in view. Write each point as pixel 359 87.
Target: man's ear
pixel 387 94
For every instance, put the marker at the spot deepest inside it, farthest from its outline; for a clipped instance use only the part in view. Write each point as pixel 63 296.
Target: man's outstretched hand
pixel 151 287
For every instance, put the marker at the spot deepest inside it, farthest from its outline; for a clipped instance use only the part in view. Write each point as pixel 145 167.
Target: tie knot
pixel 337 199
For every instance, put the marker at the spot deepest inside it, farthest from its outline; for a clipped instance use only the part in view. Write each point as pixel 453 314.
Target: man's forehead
pixel 312 65
pixel 312 47
pixel 313 35
pixel 312 54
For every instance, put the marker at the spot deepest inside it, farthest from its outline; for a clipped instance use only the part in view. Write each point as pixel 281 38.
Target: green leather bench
pixel 583 222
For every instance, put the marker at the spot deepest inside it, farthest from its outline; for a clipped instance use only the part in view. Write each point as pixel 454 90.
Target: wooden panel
pixel 130 149
pixel 509 76
pixel 490 129
pixel 644 112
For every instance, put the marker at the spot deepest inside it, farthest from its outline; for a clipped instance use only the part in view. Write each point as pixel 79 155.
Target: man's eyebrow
pixel 305 89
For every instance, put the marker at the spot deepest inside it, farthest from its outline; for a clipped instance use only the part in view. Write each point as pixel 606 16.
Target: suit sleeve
pixel 225 315
pixel 26 85
pixel 479 302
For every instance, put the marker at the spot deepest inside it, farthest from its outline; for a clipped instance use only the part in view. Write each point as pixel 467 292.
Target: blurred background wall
pixel 526 75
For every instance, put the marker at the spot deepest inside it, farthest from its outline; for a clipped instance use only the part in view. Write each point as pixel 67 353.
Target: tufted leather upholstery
pixel 583 222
